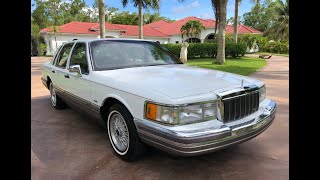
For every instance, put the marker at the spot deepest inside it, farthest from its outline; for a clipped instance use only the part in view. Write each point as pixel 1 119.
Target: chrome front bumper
pixel 208 136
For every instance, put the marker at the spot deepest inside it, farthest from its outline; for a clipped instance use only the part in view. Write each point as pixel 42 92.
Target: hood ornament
pixel 242 83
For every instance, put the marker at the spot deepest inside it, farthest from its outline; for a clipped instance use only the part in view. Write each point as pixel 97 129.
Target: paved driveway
pixel 67 145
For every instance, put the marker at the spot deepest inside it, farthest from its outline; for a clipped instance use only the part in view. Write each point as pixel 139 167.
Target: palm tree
pixel 191 28
pixel 184 30
pixel 219 8
pixel 101 18
pixel 215 5
pixel 279 29
pixel 236 18
pixel 154 4
pixel 235 21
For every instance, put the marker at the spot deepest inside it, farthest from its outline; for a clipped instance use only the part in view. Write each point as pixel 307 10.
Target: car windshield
pixel 117 54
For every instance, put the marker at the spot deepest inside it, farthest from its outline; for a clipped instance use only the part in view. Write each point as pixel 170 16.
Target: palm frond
pixel 124 3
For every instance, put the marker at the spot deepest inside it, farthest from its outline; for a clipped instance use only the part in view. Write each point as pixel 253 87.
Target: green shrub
pixel 207 50
pixel 249 39
pixel 229 37
pixel 262 43
pixel 277 47
pixel 42 49
pixel 235 49
pixel 173 48
pixel 281 48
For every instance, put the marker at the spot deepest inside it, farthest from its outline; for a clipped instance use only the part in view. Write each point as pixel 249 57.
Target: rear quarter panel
pixel 46 69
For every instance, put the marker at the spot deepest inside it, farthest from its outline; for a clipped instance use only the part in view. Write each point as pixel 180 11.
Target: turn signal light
pixel 151 111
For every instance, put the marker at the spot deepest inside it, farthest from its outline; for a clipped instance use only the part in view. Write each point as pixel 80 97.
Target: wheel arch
pixel 109 101
pixel 48 81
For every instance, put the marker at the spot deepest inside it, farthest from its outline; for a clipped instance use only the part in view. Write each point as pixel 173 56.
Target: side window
pixel 55 57
pixel 79 57
pixel 63 55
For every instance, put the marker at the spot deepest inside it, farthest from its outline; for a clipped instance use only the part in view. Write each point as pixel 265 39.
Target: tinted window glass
pixel 63 55
pixel 112 54
pixel 79 57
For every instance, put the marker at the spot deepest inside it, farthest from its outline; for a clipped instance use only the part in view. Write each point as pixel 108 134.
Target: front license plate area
pixel 242 131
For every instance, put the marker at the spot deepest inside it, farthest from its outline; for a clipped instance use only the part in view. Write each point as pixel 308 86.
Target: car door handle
pixel 66 76
pixel 53 71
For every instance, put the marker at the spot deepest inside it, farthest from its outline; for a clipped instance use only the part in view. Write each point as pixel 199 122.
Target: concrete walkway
pixel 68 145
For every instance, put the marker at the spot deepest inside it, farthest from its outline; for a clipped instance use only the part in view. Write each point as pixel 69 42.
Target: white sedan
pixel 144 95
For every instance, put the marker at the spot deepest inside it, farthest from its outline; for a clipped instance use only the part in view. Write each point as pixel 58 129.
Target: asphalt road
pixel 69 145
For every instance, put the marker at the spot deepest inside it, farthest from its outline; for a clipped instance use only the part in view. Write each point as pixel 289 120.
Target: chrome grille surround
pixel 237 103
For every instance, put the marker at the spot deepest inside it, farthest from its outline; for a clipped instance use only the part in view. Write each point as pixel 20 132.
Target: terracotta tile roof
pixel 242 29
pixel 157 24
pixel 108 27
pixel 133 30
pixel 160 28
pixel 174 27
pixel 75 28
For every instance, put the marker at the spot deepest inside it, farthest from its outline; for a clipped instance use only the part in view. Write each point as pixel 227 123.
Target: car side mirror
pixel 75 68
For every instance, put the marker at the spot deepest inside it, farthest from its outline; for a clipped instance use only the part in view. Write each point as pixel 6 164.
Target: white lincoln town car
pixel 144 95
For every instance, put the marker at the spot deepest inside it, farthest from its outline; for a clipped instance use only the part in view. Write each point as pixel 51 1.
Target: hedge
pixel 42 49
pixel 263 43
pixel 235 49
pixel 207 50
pixel 276 47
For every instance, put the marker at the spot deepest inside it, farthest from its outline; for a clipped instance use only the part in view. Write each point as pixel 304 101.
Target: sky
pixel 178 10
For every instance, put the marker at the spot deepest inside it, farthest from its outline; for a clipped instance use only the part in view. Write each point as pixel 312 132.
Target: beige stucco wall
pixel 62 38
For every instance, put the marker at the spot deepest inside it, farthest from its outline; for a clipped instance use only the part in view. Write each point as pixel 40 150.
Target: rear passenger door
pixel 61 71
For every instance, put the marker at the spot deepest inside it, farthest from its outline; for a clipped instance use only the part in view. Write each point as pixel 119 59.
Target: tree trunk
pixel 55 38
pixel 102 18
pixel 55 26
pixel 221 32
pixel 235 22
pixel 140 20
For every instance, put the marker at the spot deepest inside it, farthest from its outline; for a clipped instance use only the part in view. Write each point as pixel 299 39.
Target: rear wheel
pixel 55 99
pixel 123 135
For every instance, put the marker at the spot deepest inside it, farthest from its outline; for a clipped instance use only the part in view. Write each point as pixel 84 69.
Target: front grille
pixel 240 106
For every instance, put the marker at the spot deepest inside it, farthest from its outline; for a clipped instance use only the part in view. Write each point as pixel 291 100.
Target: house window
pixel 177 42
pixel 211 36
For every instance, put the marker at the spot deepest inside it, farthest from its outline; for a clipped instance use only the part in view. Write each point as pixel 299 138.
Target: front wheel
pixel 122 134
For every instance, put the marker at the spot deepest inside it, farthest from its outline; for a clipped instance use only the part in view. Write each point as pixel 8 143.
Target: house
pixel 161 31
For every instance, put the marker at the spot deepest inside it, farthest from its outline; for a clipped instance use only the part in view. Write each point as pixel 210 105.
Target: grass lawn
pixel 276 54
pixel 243 66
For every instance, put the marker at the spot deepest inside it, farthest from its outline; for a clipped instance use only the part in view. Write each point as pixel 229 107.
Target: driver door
pixel 79 85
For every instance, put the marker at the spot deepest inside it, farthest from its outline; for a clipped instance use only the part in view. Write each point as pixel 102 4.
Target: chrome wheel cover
pixel 53 95
pixel 118 132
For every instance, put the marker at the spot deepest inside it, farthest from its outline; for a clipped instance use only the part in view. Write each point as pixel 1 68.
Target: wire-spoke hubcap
pixel 118 132
pixel 53 95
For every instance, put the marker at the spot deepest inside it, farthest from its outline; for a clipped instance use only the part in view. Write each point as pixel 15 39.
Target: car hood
pixel 174 81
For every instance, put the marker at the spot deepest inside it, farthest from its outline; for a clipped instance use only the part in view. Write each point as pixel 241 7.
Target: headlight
pixel 262 93
pixel 190 114
pixel 180 114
